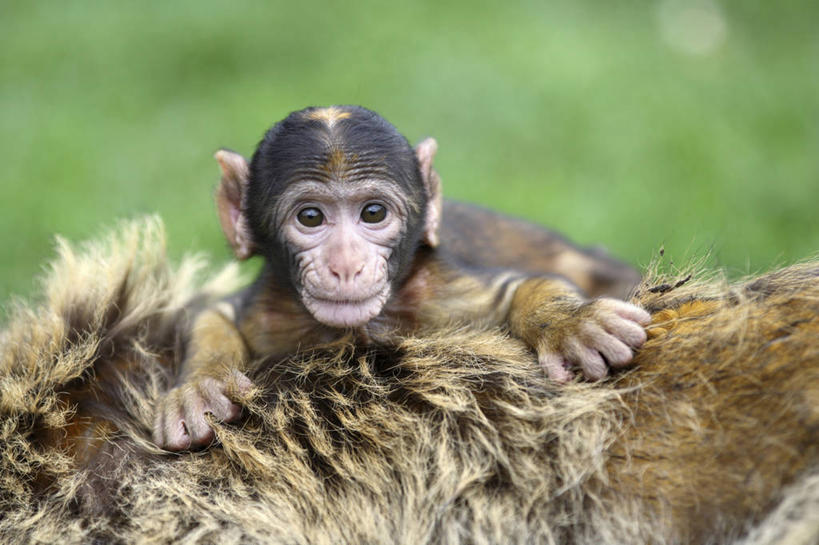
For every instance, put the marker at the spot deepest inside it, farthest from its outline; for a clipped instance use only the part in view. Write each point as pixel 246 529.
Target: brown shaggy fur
pixel 447 437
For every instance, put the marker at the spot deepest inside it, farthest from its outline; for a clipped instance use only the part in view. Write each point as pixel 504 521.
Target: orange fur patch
pixel 329 115
pixel 336 162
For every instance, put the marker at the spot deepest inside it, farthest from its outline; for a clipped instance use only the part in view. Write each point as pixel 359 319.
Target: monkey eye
pixel 310 217
pixel 374 213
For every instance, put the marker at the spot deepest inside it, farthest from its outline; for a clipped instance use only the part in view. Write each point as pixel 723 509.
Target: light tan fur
pixel 328 115
pixel 450 437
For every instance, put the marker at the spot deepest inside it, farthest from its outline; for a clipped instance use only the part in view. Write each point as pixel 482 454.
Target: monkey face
pixel 341 238
pixel 337 202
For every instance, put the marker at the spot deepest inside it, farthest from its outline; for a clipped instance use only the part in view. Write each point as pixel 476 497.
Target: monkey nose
pixel 347 273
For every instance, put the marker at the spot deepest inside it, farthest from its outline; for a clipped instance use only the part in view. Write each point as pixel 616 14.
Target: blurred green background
pixel 690 125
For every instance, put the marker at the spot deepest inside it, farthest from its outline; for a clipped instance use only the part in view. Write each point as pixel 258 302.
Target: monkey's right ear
pixel 229 197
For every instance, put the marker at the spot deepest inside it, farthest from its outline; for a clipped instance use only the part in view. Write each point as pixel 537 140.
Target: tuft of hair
pixel 328 115
pixel 445 437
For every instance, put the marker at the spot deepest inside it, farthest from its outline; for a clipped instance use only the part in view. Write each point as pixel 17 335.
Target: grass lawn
pixel 635 125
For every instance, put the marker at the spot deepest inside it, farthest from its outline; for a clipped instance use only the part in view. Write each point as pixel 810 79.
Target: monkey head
pixel 337 202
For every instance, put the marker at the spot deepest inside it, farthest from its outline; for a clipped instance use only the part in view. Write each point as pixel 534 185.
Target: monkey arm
pixel 212 370
pixel 567 330
pixel 548 313
pixel 215 345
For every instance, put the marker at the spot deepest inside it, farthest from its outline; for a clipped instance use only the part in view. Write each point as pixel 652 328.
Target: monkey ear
pixel 425 152
pixel 229 197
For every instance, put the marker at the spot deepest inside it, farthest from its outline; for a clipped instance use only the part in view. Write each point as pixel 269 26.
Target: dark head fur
pixel 337 143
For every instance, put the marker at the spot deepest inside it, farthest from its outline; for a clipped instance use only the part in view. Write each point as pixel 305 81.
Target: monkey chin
pixel 346 313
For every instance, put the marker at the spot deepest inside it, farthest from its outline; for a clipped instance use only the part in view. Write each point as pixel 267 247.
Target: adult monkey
pixel 346 215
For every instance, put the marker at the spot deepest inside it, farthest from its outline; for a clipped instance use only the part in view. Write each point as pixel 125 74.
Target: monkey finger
pixel 588 359
pixel 616 353
pixel 197 425
pixel 224 409
pixel 629 332
pixel 242 383
pixel 626 310
pixel 553 363
pixel 232 412
pixel 216 402
pixel 174 434
pixel 199 430
pixel 209 389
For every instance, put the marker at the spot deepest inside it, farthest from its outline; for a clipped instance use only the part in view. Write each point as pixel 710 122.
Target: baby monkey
pixel 346 215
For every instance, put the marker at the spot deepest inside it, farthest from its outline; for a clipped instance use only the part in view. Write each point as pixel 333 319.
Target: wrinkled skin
pixel 343 260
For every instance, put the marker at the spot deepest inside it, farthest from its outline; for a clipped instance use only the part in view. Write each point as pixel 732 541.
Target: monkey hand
pixel 590 336
pixel 180 422
pixel 595 336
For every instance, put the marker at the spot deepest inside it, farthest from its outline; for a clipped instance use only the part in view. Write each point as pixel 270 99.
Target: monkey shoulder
pixel 478 239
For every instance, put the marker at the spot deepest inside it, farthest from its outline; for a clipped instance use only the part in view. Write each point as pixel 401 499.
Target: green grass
pixel 576 114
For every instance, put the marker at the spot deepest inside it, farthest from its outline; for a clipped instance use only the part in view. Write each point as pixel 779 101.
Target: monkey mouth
pixel 346 312
pixel 344 301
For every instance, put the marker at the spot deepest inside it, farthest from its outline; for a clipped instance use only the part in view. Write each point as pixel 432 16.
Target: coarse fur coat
pixel 446 437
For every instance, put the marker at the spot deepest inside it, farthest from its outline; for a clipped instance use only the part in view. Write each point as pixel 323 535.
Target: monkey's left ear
pixel 229 197
pixel 425 152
